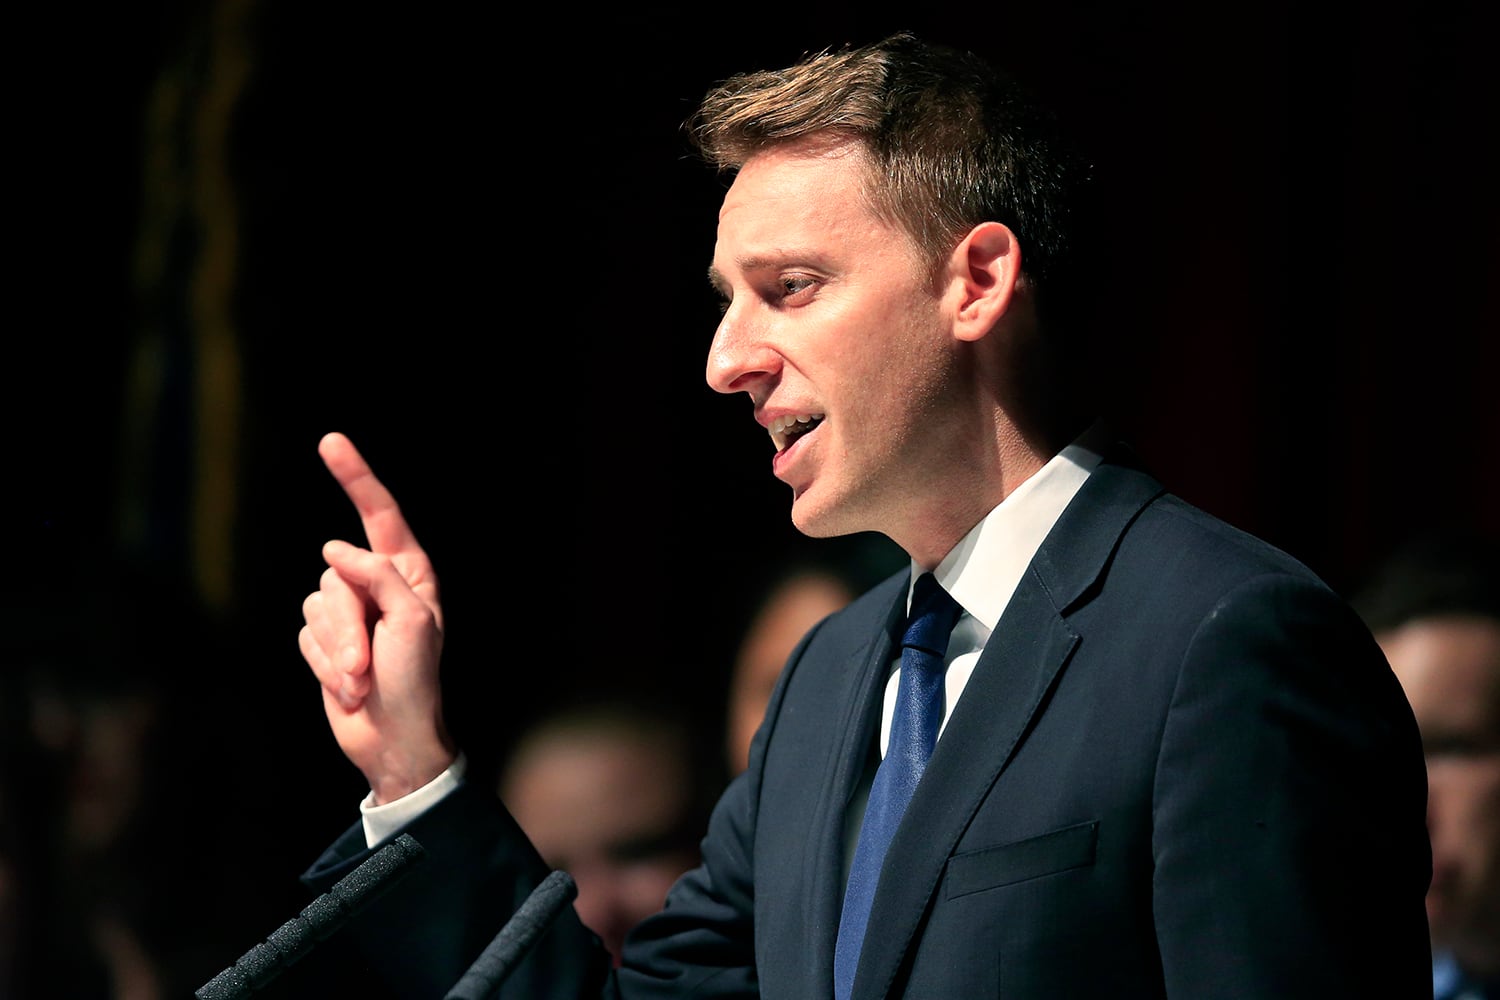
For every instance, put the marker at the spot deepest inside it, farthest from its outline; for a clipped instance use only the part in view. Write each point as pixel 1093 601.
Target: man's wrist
pixel 382 819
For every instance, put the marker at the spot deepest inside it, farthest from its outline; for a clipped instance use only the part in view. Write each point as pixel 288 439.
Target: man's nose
pixel 738 358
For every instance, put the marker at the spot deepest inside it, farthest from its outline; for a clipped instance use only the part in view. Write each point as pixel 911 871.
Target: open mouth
pixel 786 430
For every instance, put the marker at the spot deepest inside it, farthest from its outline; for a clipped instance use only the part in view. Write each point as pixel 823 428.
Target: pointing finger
pixel 385 527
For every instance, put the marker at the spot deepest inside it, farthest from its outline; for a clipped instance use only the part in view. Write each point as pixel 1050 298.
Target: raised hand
pixel 373 635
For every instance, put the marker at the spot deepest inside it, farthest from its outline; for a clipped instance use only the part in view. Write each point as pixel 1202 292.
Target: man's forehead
pixel 786 195
pixel 791 207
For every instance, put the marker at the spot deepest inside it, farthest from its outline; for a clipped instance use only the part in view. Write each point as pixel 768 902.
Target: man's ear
pixel 985 269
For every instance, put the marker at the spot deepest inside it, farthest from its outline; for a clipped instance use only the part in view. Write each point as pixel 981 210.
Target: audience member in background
pixel 107 887
pixel 1434 607
pixel 818 579
pixel 614 793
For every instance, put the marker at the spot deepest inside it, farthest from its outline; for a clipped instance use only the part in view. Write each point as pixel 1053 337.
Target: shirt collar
pixel 986 566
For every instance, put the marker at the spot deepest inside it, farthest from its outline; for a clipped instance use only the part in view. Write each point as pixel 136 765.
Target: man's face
pixel 1450 670
pixel 833 328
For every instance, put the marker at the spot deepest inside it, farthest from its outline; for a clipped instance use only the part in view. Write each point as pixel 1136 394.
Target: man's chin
pixel 822 524
pixel 808 518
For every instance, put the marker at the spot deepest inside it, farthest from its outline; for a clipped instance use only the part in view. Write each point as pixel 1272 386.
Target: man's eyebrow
pixel 717 280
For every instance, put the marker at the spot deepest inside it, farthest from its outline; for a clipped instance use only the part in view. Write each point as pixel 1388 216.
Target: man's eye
pixel 791 284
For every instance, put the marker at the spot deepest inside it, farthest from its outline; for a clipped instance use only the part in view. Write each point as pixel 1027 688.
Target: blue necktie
pixel 914 729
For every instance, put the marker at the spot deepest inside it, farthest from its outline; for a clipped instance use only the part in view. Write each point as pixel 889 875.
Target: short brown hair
pixel 952 141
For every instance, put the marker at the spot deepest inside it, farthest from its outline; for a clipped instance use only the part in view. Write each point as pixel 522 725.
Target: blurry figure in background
pixel 89 907
pixel 99 741
pixel 615 793
pixel 99 765
pixel 819 578
pixel 1434 607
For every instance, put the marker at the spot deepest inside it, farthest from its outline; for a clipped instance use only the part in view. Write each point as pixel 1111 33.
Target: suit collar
pixel 1078 549
pixel 984 568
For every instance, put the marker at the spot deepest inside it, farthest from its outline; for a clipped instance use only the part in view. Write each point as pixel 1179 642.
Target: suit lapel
pixel 1008 689
pixel 861 682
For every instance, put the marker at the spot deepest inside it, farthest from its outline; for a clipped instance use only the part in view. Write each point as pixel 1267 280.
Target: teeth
pixel 785 430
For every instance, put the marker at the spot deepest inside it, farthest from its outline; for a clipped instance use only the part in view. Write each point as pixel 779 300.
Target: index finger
pixel 385 527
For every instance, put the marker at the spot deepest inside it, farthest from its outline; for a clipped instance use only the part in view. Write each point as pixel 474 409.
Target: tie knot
pixel 934 612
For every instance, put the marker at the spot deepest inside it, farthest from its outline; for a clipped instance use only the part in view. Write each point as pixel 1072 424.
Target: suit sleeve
pixel 1288 809
pixel 419 938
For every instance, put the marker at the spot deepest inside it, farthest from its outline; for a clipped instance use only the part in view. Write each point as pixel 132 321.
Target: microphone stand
pixel 516 938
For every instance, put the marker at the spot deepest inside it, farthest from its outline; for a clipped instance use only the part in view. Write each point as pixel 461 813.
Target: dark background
pixel 476 244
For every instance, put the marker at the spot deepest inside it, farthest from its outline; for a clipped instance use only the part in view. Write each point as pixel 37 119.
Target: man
pixel 1434 607
pixel 1171 763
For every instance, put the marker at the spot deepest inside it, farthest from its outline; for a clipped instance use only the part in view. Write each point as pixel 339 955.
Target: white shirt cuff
pixel 384 821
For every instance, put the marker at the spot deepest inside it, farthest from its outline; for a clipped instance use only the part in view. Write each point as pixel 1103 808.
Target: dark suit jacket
pixel 1181 768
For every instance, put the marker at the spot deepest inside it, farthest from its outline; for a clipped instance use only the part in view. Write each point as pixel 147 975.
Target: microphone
pixel 324 915
pixel 515 938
